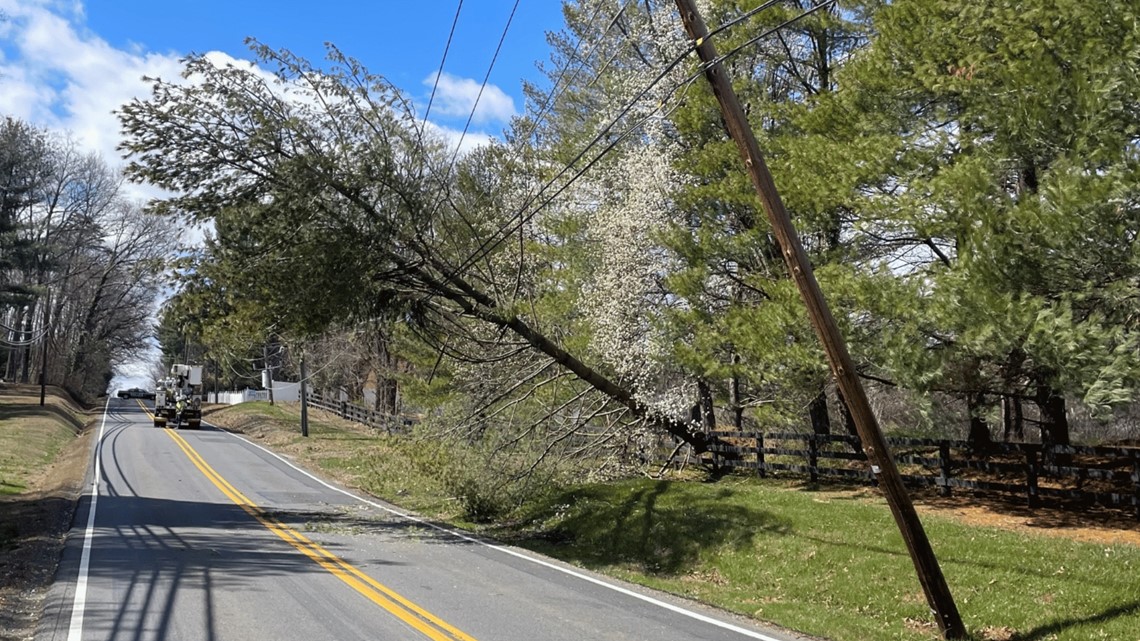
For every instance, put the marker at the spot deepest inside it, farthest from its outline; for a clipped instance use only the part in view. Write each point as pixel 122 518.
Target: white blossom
pixel 623 300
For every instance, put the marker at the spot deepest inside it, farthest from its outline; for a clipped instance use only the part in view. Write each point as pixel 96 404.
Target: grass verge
pixel 31 437
pixel 44 454
pixel 826 562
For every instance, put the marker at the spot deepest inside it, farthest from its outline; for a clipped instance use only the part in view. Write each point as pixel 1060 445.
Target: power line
pixel 742 18
pixel 556 89
pixel 486 78
pixel 439 73
pixel 522 218
pixel 13 330
pixel 751 41
pixel 483 86
pixel 26 342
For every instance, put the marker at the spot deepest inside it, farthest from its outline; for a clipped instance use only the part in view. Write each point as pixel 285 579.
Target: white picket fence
pixel 282 391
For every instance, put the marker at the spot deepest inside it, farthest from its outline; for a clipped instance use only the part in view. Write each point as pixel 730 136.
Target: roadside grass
pixel 827 562
pixel 32 436
pixel 44 454
pixel 381 465
pixel 832 564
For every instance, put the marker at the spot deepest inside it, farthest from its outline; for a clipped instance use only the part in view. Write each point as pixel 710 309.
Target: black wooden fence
pixel 1103 475
pixel 400 424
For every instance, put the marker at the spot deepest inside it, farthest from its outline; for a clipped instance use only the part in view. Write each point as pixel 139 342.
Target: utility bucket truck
pixel 178 398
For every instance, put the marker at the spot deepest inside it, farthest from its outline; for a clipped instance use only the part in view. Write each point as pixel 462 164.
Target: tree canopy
pixel 80 265
pixel 963 177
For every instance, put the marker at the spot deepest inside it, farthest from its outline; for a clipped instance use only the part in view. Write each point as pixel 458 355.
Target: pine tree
pixel 1001 140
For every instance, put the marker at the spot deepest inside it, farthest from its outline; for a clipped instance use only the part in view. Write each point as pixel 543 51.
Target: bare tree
pixel 89 268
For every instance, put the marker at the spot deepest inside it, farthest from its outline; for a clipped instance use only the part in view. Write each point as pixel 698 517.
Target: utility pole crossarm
pixel 874 443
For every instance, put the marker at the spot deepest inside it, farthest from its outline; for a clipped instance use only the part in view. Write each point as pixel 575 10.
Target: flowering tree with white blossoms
pixel 327 172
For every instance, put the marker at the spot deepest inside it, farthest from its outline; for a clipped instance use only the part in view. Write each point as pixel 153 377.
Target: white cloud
pixel 56 75
pixel 455 96
pixel 452 137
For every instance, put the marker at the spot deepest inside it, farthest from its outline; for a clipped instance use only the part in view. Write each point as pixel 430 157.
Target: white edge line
pixel 585 577
pixel 75 630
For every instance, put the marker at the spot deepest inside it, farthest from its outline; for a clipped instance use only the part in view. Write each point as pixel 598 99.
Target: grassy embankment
pixel 32 438
pixel 826 562
pixel 42 465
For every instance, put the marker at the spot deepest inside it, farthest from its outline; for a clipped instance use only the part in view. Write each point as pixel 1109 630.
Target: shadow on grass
pixel 1010 564
pixel 1051 629
pixel 17 411
pixel 655 526
pixel 1052 514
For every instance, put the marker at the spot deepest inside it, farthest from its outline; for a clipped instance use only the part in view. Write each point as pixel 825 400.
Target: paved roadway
pixel 203 535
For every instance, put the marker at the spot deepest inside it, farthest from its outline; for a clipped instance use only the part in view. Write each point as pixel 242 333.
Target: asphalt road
pixel 203 535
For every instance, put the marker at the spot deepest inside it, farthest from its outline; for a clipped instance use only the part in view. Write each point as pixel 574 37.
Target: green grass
pixel 384 466
pixel 260 411
pixel 832 563
pixel 30 438
pixel 827 563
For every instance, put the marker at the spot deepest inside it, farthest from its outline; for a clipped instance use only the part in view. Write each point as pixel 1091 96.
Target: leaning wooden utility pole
pixel 874 444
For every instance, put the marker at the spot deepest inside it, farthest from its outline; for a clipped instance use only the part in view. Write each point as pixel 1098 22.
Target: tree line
pixel 963 176
pixel 80 264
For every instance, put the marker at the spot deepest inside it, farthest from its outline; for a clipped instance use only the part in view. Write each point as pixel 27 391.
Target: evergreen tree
pixel 744 324
pixel 24 169
pixel 1002 138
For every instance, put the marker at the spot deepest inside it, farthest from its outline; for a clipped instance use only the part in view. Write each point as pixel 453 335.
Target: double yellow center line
pixel 427 623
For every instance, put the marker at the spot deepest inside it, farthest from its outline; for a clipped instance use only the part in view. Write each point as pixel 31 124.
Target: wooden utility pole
pixel 874 444
pixel 304 398
pixel 44 350
pixel 269 371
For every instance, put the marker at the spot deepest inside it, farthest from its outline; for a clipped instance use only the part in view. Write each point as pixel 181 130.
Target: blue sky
pixel 401 40
pixel 66 64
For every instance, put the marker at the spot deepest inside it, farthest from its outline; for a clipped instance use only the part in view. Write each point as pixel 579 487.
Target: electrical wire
pixel 255 376
pixel 558 87
pixel 522 218
pixel 486 78
pixel 751 41
pixel 439 73
pixel 13 330
pixel 27 342
pixel 742 18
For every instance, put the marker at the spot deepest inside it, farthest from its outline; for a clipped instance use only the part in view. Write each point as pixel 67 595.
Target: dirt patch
pixel 33 525
pixel 1091 524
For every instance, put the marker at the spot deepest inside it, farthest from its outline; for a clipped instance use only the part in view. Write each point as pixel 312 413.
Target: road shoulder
pixel 40 519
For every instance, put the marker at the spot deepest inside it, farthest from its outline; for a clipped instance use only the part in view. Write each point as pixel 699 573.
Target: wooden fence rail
pixel 1102 475
pixel 401 424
